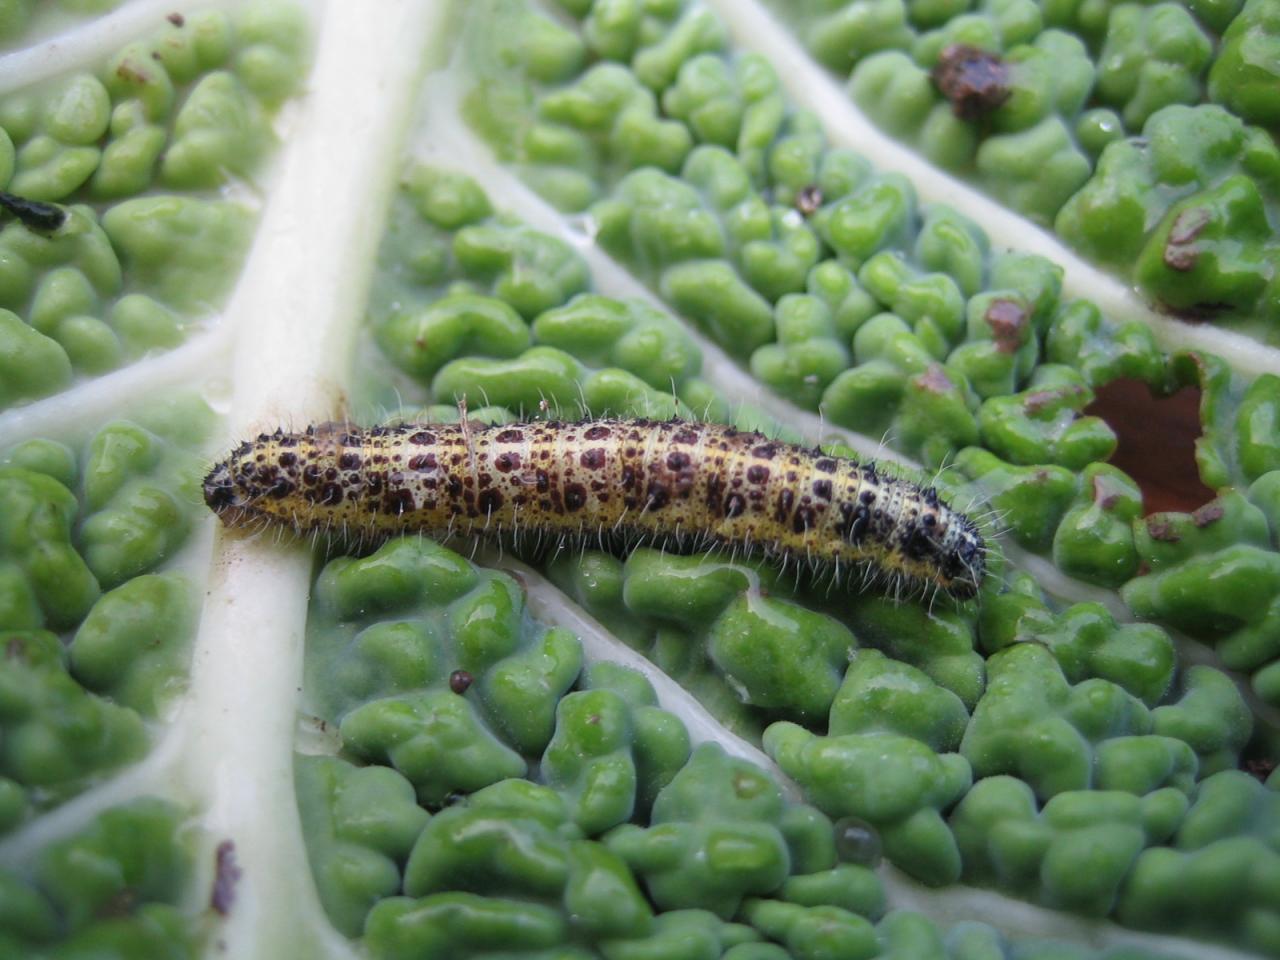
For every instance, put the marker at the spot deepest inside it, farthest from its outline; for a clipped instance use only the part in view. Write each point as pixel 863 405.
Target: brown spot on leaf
pixel 1180 250
pixel 1208 514
pixel 460 681
pixel 131 74
pixel 935 380
pixel 1039 400
pixel 227 874
pixel 1007 319
pixel 975 81
pixel 809 199
pixel 1105 493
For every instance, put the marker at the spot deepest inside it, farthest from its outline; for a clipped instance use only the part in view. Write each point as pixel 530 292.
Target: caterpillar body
pixel 682 482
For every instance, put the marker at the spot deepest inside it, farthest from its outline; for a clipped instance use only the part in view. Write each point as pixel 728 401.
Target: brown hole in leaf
pixel 1157 442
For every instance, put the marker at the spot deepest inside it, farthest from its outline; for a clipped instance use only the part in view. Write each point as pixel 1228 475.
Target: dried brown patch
pixel 975 81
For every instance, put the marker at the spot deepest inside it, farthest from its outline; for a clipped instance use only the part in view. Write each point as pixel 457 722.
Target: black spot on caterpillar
pixel 697 485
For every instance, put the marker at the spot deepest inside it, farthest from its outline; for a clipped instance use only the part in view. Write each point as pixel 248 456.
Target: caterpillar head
pixel 225 491
pixel 243 486
pixel 962 559
pixel 931 546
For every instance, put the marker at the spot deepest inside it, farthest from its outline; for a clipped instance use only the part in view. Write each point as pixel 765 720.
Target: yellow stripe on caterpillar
pixel 685 482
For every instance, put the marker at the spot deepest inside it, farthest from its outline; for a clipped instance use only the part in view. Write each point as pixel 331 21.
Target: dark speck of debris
pixel 809 199
pixel 460 681
pixel 975 81
pixel 226 876
pixel 34 214
pixel 176 19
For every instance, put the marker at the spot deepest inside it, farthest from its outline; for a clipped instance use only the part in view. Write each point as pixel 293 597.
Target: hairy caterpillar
pixel 699 484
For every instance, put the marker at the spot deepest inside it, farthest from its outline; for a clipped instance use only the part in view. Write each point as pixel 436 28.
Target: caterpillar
pixel 683 482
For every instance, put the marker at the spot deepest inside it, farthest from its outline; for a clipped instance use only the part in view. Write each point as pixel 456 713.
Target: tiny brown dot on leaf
pixel 460 681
